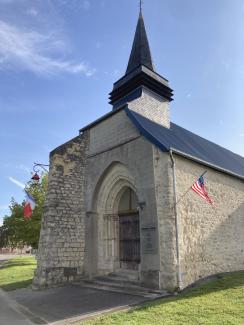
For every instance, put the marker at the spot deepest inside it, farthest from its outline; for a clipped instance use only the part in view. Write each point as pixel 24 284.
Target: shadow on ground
pixel 67 302
pixel 206 286
pixel 17 285
pixel 10 264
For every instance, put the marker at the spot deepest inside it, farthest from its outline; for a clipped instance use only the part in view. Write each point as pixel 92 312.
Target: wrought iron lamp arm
pixel 40 165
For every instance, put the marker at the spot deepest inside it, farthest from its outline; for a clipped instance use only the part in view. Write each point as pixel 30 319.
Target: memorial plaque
pixel 149 240
pixel 70 271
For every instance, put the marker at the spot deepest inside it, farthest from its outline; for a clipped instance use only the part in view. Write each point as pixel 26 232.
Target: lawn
pixel 217 302
pixel 17 273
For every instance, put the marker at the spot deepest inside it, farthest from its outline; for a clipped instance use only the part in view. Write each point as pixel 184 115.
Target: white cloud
pixel 4 207
pixel 16 182
pixel 35 52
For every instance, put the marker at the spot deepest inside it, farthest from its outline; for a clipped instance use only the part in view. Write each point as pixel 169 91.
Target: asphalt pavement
pixel 9 313
pixel 60 306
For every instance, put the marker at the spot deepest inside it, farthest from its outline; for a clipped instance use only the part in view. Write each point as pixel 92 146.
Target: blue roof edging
pixel 144 132
pixel 149 136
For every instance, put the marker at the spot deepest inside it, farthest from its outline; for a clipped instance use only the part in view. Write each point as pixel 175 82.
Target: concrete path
pixel 61 306
pixel 9 314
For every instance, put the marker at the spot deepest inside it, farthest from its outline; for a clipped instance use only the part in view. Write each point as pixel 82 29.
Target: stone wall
pixel 152 106
pixel 136 157
pixel 61 248
pixel 211 239
pixel 166 219
pixel 113 131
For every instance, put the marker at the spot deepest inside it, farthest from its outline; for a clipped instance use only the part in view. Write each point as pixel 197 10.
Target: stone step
pixel 117 279
pixel 127 274
pixel 134 290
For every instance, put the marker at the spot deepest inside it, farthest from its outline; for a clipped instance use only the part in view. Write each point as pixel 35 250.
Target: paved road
pixel 9 314
pixel 58 306
pixel 54 306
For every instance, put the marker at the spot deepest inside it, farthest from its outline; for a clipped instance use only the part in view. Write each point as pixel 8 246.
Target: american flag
pixel 199 188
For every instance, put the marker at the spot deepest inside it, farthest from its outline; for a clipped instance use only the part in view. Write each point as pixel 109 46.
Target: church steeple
pixel 140 53
pixel 140 73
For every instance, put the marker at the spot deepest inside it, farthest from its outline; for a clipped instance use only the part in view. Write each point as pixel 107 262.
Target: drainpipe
pixel 179 279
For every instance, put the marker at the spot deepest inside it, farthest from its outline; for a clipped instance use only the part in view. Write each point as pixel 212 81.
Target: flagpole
pixel 180 199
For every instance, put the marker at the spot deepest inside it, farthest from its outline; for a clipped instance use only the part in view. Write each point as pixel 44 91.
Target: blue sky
pixel 59 59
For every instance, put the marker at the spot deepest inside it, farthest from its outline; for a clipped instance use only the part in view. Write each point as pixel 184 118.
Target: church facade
pixel 112 204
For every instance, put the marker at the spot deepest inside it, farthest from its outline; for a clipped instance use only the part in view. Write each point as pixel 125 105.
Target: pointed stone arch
pixel 105 209
pixel 115 177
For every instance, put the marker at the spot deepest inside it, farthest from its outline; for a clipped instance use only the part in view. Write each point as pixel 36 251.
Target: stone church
pixel 112 206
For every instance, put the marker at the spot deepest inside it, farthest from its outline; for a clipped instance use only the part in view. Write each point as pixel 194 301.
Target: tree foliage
pixel 17 231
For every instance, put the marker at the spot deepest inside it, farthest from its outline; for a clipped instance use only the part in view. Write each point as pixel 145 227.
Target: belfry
pixel 111 215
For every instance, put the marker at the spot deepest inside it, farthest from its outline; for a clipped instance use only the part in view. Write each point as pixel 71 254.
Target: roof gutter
pixel 203 162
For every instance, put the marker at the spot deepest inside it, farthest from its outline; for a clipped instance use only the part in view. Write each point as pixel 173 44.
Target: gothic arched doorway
pixel 114 224
pixel 129 230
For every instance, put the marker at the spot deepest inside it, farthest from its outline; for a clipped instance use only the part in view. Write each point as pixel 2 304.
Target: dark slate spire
pixel 140 53
pixel 140 73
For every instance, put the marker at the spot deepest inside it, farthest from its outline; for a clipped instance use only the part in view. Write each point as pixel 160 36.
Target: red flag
pixel 27 210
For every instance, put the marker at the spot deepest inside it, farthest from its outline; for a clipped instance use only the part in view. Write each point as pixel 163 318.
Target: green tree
pixel 17 231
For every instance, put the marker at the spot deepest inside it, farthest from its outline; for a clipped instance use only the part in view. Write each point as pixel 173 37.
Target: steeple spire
pixel 140 74
pixel 140 6
pixel 140 53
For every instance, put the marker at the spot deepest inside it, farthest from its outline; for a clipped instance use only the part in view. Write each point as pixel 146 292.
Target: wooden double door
pixel 129 240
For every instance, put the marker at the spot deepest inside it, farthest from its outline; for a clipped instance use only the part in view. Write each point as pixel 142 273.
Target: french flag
pixel 29 205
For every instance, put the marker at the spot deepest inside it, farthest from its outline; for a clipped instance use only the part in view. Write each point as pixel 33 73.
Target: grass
pixel 17 273
pixel 217 302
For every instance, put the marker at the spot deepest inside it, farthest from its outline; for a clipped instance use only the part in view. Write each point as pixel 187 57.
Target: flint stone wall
pixel 61 247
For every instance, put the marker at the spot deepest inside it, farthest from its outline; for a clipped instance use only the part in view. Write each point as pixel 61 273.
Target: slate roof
pixel 140 53
pixel 188 144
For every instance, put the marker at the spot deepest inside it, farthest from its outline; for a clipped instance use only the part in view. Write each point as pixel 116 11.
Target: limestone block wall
pixel 137 157
pixel 166 219
pixel 111 132
pixel 211 240
pixel 62 239
pixel 153 107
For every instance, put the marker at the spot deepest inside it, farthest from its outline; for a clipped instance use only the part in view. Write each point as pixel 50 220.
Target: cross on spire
pixel 141 3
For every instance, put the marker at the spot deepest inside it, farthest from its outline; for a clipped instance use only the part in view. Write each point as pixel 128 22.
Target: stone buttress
pixel 61 246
